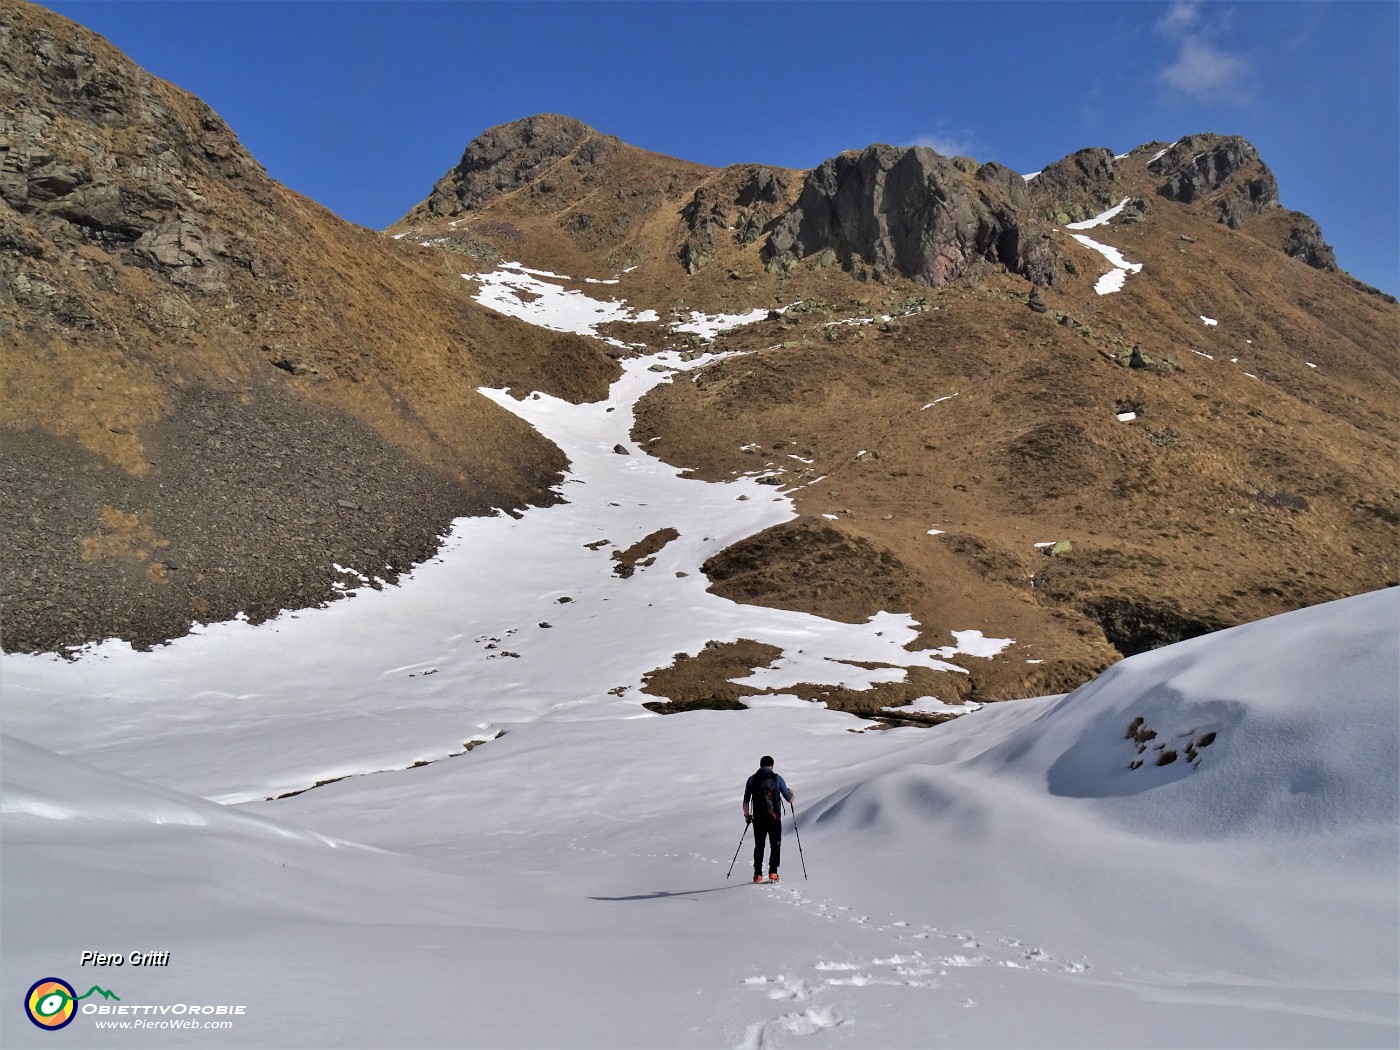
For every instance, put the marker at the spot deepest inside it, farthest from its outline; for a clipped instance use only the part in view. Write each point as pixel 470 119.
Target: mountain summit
pixel 1101 407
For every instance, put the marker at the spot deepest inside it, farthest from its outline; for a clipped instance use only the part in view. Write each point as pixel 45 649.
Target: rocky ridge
pixel 941 387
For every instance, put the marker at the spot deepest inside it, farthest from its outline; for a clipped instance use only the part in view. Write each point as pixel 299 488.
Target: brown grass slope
pixel 555 193
pixel 213 389
pixel 1259 474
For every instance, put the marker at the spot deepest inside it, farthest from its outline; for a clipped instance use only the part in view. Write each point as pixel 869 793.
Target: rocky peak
pixel 1078 187
pixel 509 156
pixel 913 212
pixel 1225 169
pixel 764 186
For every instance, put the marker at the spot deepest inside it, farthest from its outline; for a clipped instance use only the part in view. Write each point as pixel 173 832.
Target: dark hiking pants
pixel 772 833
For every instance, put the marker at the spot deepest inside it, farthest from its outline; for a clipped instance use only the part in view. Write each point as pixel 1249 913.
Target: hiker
pixel 767 790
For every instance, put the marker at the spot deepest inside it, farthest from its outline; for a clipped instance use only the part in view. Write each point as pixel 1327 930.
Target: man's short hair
pixel 766 760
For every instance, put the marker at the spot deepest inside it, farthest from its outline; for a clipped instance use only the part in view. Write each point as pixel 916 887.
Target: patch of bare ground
pixel 703 681
pixel 813 566
pixel 706 682
pixel 642 553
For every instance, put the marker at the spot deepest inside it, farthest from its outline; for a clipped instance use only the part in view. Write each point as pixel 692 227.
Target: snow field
pixel 1000 881
pixel 461 648
pixel 536 297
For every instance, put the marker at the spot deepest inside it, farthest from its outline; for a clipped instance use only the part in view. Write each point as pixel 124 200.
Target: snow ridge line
pixel 466 747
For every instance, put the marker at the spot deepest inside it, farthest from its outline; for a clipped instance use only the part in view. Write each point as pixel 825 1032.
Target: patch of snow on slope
pixel 533 297
pixel 1301 708
pixel 708 326
pixel 1113 280
pixel 1102 219
pixel 1160 153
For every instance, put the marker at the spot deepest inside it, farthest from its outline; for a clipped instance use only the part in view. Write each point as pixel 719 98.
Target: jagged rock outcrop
pixel 509 156
pixel 760 198
pixel 1078 187
pixel 911 211
pixel 132 189
pixel 764 186
pixel 1304 242
pixel 744 199
pixel 1225 169
pixel 703 216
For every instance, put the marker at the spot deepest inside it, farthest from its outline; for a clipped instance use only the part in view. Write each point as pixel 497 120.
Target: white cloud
pixel 1202 68
pixel 948 145
pixel 1206 72
pixel 1180 17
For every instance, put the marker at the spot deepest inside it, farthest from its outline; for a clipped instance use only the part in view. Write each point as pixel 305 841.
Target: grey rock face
pixel 911 211
pixel 765 186
pixel 1305 243
pixel 1080 186
pixel 1226 169
pixel 63 175
pixel 702 217
pixel 190 255
pixel 510 155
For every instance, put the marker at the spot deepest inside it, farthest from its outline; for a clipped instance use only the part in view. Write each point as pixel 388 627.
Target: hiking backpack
pixel 766 806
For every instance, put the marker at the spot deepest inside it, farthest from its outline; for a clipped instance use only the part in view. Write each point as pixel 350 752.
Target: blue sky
pixel 362 106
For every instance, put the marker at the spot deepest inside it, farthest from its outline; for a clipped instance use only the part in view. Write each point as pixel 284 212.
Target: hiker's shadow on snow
pixel 663 894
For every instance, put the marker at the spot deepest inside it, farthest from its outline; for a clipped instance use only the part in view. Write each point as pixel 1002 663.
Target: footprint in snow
pixel 1019 956
pixel 764 1034
pixel 781 987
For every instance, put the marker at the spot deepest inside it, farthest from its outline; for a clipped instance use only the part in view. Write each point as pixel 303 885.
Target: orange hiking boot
pixel 758 878
pixel 772 876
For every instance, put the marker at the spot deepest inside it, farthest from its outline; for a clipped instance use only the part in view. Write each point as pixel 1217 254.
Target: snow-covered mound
pixel 1288 725
pixel 141 842
pixel 1284 725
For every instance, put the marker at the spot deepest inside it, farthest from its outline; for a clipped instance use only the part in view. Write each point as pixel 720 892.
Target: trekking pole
pixel 741 846
pixel 799 839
